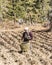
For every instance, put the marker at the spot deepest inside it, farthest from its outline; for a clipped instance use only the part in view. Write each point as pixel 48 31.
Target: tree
pixel 15 10
pixel 3 9
pixel 31 10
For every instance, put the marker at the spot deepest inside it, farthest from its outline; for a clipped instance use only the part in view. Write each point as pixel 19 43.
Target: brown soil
pixel 40 53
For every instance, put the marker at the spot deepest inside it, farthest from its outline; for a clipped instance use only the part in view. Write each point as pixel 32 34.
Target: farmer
pixel 26 37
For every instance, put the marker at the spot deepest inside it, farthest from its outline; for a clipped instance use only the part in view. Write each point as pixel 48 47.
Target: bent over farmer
pixel 26 37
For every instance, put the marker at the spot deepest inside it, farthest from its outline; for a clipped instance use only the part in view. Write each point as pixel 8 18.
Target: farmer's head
pixel 26 29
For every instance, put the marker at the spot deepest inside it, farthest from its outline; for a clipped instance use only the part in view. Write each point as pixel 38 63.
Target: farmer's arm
pixel 23 35
pixel 31 35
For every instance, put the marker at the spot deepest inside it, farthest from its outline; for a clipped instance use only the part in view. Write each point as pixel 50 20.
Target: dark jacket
pixel 29 36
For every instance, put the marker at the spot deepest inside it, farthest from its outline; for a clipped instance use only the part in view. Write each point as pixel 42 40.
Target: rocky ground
pixel 41 48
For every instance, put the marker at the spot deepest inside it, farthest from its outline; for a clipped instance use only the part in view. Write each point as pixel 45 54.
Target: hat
pixel 26 28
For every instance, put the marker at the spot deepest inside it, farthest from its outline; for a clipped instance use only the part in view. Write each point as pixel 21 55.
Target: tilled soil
pixel 39 54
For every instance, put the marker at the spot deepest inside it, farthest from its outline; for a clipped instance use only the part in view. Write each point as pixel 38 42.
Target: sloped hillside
pixel 41 49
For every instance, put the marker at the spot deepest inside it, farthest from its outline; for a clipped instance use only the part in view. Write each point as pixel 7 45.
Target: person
pixel 26 37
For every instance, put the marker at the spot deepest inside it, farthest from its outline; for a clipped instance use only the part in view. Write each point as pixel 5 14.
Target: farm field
pixel 17 15
pixel 41 51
